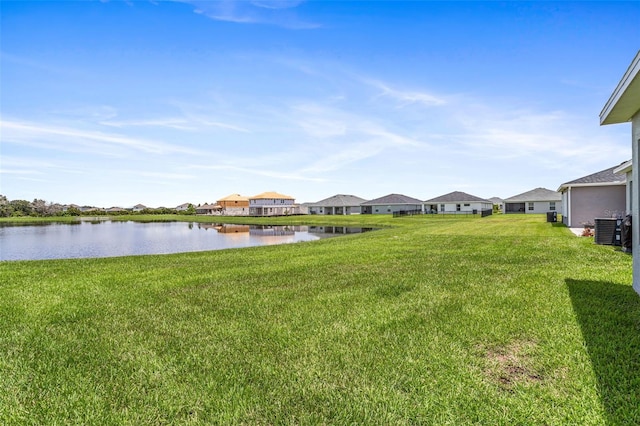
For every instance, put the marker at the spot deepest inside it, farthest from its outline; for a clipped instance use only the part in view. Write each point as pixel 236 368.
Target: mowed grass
pixel 502 320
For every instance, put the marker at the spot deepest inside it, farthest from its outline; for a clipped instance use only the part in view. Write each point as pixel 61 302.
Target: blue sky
pixel 113 103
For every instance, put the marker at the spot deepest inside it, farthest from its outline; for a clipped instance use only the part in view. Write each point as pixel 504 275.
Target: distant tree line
pixel 38 208
pixel 42 208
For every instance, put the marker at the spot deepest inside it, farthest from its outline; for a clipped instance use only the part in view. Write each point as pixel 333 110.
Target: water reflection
pixel 337 230
pixel 84 239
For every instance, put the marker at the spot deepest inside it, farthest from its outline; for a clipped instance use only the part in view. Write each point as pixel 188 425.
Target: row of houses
pixel 580 201
pixel 599 195
pixel 602 194
pixel 457 202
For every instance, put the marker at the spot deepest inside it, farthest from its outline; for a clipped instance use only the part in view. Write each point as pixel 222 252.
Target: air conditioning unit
pixel 607 231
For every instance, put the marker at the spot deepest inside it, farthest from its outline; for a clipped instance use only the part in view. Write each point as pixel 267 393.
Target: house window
pixel 441 207
pixel 530 206
pixel 467 205
pixel 552 205
pixel 457 207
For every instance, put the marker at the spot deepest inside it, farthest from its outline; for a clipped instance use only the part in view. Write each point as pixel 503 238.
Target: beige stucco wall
pixel 591 202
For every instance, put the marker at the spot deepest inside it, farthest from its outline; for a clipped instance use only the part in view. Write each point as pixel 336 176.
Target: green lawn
pixel 430 320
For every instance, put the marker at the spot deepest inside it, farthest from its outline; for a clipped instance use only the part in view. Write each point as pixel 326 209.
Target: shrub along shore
pixel 435 320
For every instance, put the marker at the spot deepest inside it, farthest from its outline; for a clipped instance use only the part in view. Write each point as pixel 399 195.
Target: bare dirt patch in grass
pixel 511 364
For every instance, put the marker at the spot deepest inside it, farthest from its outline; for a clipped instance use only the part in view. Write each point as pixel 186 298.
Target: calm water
pixel 106 239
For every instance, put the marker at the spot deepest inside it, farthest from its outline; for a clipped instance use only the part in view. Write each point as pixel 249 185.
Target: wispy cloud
pixel 492 130
pixel 344 136
pixel 373 142
pixel 11 171
pixel 392 139
pixel 269 12
pixel 71 139
pixel 87 112
pixel 327 120
pixel 171 123
pixel 406 97
pixel 33 165
pixel 556 135
pixel 188 124
pixel 341 157
pixel 318 121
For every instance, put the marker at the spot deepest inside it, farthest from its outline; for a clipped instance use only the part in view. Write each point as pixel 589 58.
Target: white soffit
pixel 625 167
pixel 624 102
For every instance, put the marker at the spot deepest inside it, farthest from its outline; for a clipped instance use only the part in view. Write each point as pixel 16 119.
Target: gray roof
pixel 496 200
pixel 392 199
pixel 599 178
pixel 538 194
pixel 339 200
pixel 457 197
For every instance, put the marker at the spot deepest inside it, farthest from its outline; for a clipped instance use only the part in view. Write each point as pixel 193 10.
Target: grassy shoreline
pixel 502 320
pixel 355 220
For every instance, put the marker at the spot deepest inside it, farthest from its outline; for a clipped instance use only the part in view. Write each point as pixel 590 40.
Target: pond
pixel 104 238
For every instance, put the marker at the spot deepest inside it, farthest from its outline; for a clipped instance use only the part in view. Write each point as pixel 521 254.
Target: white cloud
pixel 71 140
